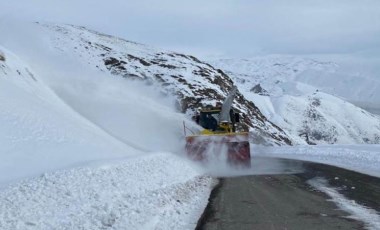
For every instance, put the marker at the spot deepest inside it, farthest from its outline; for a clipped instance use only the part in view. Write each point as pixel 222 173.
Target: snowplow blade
pixel 234 148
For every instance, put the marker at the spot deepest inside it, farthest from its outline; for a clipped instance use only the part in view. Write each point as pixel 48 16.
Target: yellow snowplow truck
pixel 219 135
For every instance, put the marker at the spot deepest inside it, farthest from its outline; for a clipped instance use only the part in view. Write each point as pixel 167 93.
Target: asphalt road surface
pixel 287 201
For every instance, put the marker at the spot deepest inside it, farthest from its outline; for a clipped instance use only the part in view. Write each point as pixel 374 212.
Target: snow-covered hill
pixel 320 118
pixel 39 131
pixel 83 150
pixel 270 71
pixel 349 78
pixel 291 92
pixel 193 82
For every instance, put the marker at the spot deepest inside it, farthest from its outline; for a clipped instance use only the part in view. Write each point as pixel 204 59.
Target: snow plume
pixel 215 162
pixel 57 113
pixel 259 166
pixel 132 112
pixel 39 132
pixel 107 137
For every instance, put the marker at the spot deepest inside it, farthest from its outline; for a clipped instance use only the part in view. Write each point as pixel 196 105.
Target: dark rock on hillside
pixel 259 90
pixel 2 57
pixel 311 130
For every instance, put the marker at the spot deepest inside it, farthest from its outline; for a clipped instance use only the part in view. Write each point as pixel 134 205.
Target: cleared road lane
pixel 287 201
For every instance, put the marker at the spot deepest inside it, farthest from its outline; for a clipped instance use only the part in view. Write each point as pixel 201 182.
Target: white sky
pixel 221 27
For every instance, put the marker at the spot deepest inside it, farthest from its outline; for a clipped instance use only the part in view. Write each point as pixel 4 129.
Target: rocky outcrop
pixel 259 90
pixel 2 57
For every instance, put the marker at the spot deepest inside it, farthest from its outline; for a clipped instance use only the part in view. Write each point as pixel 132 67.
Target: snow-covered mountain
pixel 269 82
pixel 193 82
pixel 305 97
pixel 270 71
pixel 349 78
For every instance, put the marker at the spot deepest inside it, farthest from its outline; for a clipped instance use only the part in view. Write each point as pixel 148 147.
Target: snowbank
pixel 158 191
pixel 369 216
pixel 360 158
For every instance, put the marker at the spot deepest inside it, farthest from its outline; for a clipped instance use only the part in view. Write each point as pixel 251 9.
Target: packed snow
pixel 360 158
pixel 369 216
pixel 158 191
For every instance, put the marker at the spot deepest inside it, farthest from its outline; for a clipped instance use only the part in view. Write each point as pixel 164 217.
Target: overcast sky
pixel 221 27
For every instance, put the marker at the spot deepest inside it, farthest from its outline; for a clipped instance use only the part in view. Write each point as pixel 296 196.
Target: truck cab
pixel 210 119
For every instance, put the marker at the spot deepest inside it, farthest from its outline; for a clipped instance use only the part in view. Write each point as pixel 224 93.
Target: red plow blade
pixel 233 147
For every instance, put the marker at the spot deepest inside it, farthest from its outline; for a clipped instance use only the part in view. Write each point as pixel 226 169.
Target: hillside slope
pixel 348 77
pixel 39 132
pixel 60 169
pixel 192 82
pixel 286 89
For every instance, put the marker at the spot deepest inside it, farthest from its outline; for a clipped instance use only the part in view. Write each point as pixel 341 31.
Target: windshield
pixel 209 120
